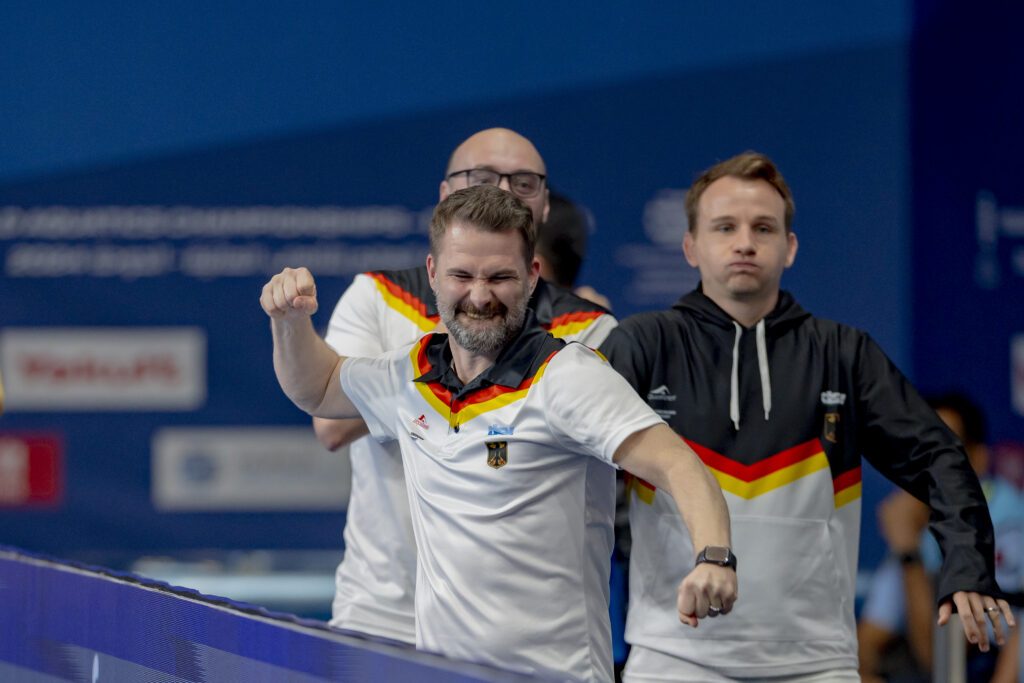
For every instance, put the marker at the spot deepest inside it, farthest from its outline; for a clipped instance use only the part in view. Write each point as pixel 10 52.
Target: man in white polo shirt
pixel 384 310
pixel 506 436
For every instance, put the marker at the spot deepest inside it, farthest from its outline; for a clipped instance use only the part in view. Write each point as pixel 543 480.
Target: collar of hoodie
pixel 762 371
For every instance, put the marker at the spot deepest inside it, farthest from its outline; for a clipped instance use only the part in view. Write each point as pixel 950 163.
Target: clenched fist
pixel 707 591
pixel 290 294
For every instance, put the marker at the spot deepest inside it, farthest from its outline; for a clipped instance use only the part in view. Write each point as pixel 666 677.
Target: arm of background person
pixel 1008 664
pixel 902 519
pixel 872 640
pixel 657 455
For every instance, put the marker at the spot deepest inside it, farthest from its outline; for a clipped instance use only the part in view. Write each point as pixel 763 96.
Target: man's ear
pixel 432 271
pixel 791 248
pixel 689 249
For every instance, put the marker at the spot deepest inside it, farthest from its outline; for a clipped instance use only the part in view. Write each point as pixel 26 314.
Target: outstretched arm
pixel 657 455
pixel 306 367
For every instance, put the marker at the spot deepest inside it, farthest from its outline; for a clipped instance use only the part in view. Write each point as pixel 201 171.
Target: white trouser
pixel 651 666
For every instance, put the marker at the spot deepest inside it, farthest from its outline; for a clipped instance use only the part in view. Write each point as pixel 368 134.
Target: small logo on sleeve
pixel 497 454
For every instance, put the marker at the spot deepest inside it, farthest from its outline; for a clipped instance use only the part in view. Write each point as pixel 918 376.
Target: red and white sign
pixel 85 369
pixel 30 469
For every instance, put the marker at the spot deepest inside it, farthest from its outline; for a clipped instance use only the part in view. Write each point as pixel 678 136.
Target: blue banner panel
pixel 968 207
pixel 131 321
pixel 68 622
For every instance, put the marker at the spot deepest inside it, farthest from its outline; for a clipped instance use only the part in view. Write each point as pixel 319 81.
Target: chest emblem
pixel 833 398
pixel 831 426
pixel 497 454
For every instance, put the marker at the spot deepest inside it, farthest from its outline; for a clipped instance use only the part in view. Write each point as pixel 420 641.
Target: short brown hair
pixel 487 208
pixel 746 166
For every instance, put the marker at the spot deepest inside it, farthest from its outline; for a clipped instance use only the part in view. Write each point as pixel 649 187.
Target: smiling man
pixel 383 310
pixel 507 436
pixel 781 406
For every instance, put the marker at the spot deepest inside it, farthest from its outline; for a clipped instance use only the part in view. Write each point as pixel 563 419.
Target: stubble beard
pixel 486 338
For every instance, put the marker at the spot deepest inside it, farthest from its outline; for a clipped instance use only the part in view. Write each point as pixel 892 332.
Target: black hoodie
pixel 783 422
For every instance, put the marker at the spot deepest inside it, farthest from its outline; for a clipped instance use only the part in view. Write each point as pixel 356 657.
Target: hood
pixel 786 315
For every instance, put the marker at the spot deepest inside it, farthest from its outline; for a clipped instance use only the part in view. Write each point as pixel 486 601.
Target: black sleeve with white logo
pixel 906 441
pixel 624 349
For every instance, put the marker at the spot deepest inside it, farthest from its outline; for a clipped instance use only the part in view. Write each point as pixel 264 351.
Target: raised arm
pixel 657 455
pixel 306 367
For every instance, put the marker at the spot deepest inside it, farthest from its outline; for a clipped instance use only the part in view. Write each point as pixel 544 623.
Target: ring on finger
pixel 714 611
pixel 991 610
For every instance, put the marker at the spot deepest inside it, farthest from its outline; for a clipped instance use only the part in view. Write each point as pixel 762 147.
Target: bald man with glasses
pixel 384 310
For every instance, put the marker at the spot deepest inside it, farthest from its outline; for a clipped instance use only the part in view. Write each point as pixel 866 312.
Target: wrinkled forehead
pixel 464 242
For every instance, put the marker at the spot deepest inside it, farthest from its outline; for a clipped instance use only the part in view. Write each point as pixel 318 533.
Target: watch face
pixel 714 553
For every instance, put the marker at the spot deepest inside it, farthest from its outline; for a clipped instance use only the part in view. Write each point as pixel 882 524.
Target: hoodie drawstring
pixel 762 367
pixel 734 380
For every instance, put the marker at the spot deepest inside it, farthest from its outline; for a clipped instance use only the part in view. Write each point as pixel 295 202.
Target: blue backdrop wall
pixel 157 165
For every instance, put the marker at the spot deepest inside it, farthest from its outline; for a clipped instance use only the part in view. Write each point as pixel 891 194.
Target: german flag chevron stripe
pixel 404 302
pixel 776 471
pixel 847 487
pixel 750 481
pixel 478 403
pixel 571 323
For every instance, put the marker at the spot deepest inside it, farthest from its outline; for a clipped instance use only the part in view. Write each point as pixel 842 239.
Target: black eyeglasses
pixel 525 184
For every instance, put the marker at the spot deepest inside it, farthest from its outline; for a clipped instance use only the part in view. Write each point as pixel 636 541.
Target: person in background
pixel 562 245
pixel 895 630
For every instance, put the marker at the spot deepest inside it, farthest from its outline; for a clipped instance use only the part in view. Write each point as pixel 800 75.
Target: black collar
pixel 518 361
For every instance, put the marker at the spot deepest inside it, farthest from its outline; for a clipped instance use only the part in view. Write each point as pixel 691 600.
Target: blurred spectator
pixel 896 625
pixel 562 246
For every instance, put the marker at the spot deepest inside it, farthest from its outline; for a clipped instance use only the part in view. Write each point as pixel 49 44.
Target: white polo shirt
pixel 379 312
pixel 512 496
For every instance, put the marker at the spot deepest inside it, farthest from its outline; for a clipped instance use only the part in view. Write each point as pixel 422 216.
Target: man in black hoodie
pixel 781 406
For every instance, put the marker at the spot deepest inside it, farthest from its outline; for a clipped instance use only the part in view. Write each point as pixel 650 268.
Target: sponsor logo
pixel 833 398
pixel 499 430
pixel 831 426
pixel 30 469
pixel 662 393
pixel 89 369
pixel 497 454
pixel 421 422
pixel 246 469
pixel 665 414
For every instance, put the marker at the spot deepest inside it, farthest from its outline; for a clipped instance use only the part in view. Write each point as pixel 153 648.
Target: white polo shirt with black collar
pixel 512 495
pixel 381 311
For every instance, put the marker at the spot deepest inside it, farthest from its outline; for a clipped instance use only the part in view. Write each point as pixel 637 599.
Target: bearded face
pixel 484 329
